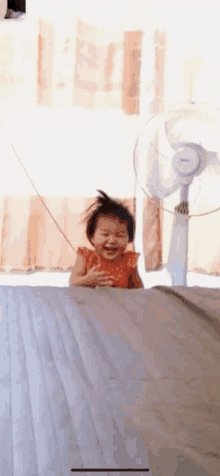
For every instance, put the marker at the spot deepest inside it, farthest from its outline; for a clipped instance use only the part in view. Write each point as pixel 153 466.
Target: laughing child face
pixel 111 237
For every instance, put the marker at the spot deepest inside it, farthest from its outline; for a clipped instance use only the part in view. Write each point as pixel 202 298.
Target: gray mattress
pixel 109 378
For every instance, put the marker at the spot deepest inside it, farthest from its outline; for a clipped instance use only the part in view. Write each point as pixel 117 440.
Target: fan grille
pixel 155 150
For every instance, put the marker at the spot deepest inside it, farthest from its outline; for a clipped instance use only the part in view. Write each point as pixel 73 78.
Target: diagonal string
pixel 42 200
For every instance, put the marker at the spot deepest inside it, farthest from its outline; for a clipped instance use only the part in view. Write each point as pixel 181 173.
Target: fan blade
pixel 156 187
pixel 193 127
pixel 156 170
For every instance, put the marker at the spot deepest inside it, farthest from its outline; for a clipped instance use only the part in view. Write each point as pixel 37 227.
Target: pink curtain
pixel 152 234
pixel 45 64
pixel 97 77
pixel 30 240
pixel 93 75
pixel 153 216
pixel 131 77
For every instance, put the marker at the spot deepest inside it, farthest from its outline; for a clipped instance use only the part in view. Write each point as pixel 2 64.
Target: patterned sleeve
pixel 87 255
pixel 82 251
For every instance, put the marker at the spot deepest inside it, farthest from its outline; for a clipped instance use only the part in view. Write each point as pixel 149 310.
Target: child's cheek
pixel 100 242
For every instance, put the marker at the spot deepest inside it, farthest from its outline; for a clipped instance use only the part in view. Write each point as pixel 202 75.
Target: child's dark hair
pixel 106 206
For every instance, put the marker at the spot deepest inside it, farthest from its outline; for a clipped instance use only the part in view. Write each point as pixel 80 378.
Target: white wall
pixel 69 152
pixel 193 36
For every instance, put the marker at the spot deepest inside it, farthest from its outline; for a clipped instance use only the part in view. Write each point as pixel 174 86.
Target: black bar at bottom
pixel 110 470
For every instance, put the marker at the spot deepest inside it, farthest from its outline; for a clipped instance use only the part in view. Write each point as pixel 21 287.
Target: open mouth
pixel 110 250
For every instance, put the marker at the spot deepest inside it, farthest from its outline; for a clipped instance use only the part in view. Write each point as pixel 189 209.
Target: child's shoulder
pixel 131 258
pixel 86 252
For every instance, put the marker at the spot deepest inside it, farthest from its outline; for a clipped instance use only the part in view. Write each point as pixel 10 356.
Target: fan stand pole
pixel 178 255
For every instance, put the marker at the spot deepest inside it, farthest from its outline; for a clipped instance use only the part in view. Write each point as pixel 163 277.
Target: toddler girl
pixel 110 227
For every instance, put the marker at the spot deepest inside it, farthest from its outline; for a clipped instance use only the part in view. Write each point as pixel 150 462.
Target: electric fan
pixel 174 157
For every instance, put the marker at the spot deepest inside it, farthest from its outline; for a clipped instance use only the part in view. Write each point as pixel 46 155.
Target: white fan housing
pixel 176 147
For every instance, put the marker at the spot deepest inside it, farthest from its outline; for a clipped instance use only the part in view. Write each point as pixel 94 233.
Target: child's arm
pixel 134 281
pixel 92 278
pixel 79 271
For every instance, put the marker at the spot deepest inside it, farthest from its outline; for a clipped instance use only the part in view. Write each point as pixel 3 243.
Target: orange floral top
pixel 119 271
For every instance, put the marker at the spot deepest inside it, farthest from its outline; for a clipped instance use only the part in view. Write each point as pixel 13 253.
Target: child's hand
pixel 94 277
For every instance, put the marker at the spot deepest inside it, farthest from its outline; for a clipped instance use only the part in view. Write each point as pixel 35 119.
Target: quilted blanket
pixel 109 378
